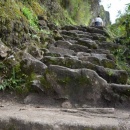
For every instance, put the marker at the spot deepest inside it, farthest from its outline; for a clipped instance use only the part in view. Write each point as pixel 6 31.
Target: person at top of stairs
pixel 98 21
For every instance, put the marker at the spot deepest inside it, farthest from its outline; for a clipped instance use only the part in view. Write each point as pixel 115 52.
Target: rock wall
pixel 97 9
pixel 77 12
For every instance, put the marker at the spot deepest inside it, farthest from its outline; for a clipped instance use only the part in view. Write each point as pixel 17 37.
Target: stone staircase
pixel 81 65
pixel 79 86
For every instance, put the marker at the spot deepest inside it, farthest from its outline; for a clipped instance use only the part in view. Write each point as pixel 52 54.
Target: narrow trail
pixel 32 117
pixel 78 52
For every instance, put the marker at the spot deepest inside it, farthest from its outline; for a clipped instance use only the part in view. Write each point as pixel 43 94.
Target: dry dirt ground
pixel 19 114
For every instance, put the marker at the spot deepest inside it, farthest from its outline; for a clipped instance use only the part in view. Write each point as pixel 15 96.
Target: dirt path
pixel 14 115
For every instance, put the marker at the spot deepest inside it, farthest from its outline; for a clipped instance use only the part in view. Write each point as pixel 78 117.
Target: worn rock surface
pixel 19 116
pixel 81 56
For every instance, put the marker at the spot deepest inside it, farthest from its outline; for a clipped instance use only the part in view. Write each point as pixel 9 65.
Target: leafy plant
pixel 79 10
pixel 29 14
pixel 12 81
pixel 121 33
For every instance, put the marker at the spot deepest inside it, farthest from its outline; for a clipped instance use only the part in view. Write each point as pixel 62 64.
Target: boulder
pixel 78 85
pixel 70 62
pixel 61 51
pixel 109 45
pixel 112 75
pixel 85 36
pixel 98 37
pixel 31 65
pixel 53 60
pixel 97 30
pixel 82 54
pixel 99 56
pixel 89 43
pixel 100 51
pixel 108 63
pixel 69 45
pixel 4 50
pixel 62 44
pixel 120 89
pixel 69 33
pixel 91 59
pixel 69 27
pixel 37 85
pixel 66 37
pixel 79 48
pixel 34 50
pixel 118 95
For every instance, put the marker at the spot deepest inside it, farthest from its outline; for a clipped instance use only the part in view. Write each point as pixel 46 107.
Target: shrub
pixel 30 16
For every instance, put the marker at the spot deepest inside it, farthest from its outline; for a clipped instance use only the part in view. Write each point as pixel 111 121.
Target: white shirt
pixel 98 19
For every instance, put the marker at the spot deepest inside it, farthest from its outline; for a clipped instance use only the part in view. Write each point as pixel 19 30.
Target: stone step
pixel 69 27
pixel 96 61
pixel 100 51
pixel 70 62
pixel 58 49
pixel 93 30
pixel 81 32
pixel 88 43
pixel 26 118
pixel 55 59
pixel 98 37
pixel 98 30
pixel 69 45
pixel 83 57
pixel 61 51
pixel 89 36
pixel 66 37
pixel 77 33
pixel 110 75
pixel 69 33
pixel 73 34
pixel 81 48
pixel 121 89
pixel 108 45
pixel 99 27
pixel 119 95
pixel 98 110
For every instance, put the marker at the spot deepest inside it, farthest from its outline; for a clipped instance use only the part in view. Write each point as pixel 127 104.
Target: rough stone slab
pixel 61 51
pixel 96 30
pixel 109 45
pixel 121 88
pixel 98 110
pixel 21 117
pixel 112 75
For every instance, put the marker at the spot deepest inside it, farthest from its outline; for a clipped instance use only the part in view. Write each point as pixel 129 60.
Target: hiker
pixel 98 21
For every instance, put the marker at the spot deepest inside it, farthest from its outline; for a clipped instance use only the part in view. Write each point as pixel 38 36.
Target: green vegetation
pixel 76 12
pixel 30 16
pixel 79 11
pixel 84 80
pixel 14 79
pixel 110 72
pixel 45 83
pixel 123 24
pixel 64 81
pixel 120 31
